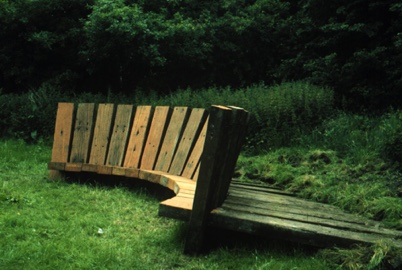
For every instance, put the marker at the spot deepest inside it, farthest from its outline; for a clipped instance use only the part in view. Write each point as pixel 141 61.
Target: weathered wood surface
pixel 275 214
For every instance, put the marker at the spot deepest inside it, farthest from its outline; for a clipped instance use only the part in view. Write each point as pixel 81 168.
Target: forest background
pixel 120 46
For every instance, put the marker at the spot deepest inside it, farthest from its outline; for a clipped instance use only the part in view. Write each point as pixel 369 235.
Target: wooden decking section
pixel 276 214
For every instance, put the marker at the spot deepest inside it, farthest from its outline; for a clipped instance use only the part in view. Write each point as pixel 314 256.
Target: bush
pixel 361 137
pixel 392 127
pixel 279 114
pixel 29 116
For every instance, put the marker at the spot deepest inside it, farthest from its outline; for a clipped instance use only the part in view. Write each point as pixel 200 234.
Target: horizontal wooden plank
pixel 273 227
pixel 151 176
pixel 59 166
pixel 73 167
pixel 132 172
pixel 119 171
pixel 179 202
pixel 327 220
pixel 89 168
pixel 285 200
pixel 257 187
pixel 293 205
pixel 105 169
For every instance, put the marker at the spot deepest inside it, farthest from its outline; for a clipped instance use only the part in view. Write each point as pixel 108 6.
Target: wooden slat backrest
pixel 63 132
pixel 101 138
pixel 171 139
pixel 187 141
pixel 155 136
pixel 149 138
pixel 82 133
pixel 118 141
pixel 193 161
pixel 138 136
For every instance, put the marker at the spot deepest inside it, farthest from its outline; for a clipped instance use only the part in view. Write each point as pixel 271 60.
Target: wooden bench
pixel 190 151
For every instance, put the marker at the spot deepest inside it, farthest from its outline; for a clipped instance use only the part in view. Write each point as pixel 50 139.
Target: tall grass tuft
pixel 380 255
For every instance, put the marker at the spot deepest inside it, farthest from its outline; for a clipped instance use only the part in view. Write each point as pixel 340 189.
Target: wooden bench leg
pixel 195 243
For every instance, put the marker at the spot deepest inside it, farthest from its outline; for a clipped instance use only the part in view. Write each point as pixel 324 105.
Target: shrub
pixel 29 116
pixel 279 114
pixel 392 128
pixel 361 137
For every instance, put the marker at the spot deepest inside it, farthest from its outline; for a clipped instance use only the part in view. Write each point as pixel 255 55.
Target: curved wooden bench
pixel 190 151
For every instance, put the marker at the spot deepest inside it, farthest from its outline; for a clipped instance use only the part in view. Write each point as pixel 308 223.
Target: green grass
pixel 98 225
pixel 351 161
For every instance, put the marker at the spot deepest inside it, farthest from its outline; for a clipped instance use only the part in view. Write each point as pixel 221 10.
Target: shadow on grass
pixel 112 181
pixel 216 238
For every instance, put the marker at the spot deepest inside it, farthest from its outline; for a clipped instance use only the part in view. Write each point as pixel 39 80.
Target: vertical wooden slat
pixel 62 137
pixel 194 159
pixel 119 137
pixel 172 136
pixel 82 133
pixel 187 141
pixel 215 144
pixel 155 137
pixel 62 132
pixel 234 133
pixel 101 138
pixel 139 132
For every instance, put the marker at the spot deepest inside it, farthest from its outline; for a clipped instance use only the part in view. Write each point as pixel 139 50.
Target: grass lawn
pixel 96 225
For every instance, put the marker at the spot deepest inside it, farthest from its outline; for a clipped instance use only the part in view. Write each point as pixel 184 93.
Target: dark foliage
pixel 118 46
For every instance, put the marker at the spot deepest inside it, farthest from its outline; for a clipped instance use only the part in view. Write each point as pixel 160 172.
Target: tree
pixel 40 41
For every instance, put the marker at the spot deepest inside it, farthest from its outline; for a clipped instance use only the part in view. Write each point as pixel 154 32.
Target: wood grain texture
pixel 82 133
pixel 138 136
pixel 264 211
pixel 171 139
pixel 63 132
pixel 118 141
pixel 193 161
pixel 155 137
pixel 101 138
pixel 212 160
pixel 187 141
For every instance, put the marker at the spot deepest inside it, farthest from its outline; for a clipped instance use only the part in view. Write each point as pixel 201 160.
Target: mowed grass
pixel 102 225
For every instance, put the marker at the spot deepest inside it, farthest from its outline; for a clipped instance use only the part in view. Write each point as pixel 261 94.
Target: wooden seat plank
pixel 138 136
pixel 101 138
pixel 82 133
pixel 155 137
pixel 171 140
pixel 191 132
pixel 118 141
pixel 292 230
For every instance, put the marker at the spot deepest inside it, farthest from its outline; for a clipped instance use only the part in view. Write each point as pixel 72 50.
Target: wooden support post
pixel 234 134
pixel 211 161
